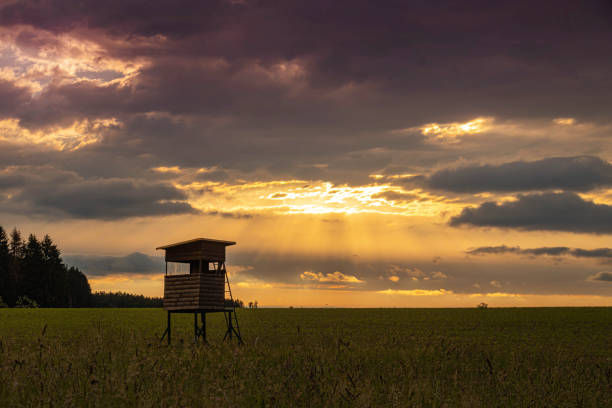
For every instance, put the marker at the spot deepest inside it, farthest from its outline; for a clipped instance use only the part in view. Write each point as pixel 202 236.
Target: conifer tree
pixel 78 288
pixel 5 280
pixel 16 246
pixel 55 274
pixel 16 250
pixel 33 282
pixel 50 252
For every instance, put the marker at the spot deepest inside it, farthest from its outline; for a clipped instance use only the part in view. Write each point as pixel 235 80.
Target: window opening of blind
pixel 178 268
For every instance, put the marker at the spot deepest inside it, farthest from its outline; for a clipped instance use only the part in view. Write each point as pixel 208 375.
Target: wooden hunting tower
pixel 201 285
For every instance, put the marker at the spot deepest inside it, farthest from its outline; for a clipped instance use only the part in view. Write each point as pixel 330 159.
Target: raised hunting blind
pixel 196 281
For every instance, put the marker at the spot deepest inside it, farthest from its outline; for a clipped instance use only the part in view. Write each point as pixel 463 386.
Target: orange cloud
pixel 336 277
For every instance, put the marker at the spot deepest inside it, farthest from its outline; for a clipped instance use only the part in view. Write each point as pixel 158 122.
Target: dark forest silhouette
pixel 33 269
pixel 32 273
pixel 122 299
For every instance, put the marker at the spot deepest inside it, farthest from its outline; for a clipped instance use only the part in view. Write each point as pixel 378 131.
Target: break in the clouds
pixel 565 173
pixel 546 211
pixel 598 253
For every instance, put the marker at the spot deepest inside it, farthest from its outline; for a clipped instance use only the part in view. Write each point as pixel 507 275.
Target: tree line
pixel 121 299
pixel 32 272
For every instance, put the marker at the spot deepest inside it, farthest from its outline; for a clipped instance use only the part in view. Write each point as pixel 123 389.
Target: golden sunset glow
pixel 452 132
pixel 164 169
pixel 64 56
pixel 565 121
pixel 303 197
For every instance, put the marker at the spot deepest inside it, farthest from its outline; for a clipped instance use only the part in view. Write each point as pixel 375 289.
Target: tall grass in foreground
pixel 309 357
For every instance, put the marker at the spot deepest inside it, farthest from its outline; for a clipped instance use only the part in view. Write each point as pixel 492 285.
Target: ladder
pixel 231 319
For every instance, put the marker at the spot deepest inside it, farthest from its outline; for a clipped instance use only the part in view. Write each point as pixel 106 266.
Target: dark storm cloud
pixel 135 263
pixel 412 55
pixel 100 199
pixel 547 211
pixel 592 253
pixel 11 97
pixel 568 173
pixel 503 249
pixel 602 276
pixel 175 18
pixel 601 253
pixel 287 86
pixel 9 181
pixel 62 104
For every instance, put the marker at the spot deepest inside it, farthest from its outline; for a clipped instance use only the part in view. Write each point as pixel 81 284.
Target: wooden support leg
pixel 169 329
pixel 203 319
pixel 199 331
pixel 230 328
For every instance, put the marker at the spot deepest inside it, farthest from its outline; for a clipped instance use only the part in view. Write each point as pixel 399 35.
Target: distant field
pixel 309 357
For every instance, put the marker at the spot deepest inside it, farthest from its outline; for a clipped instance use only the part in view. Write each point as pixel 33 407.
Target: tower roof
pixel 203 240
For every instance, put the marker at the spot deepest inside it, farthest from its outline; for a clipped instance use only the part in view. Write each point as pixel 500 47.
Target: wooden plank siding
pixel 194 291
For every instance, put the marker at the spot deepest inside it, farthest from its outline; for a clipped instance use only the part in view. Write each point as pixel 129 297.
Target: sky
pixel 361 154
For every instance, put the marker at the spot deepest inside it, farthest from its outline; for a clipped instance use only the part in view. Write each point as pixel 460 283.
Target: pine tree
pixel 78 288
pixel 16 246
pixel 54 279
pixel 16 251
pixel 33 283
pixel 50 252
pixel 5 279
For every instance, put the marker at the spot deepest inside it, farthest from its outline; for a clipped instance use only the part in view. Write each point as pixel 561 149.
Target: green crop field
pixel 309 357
